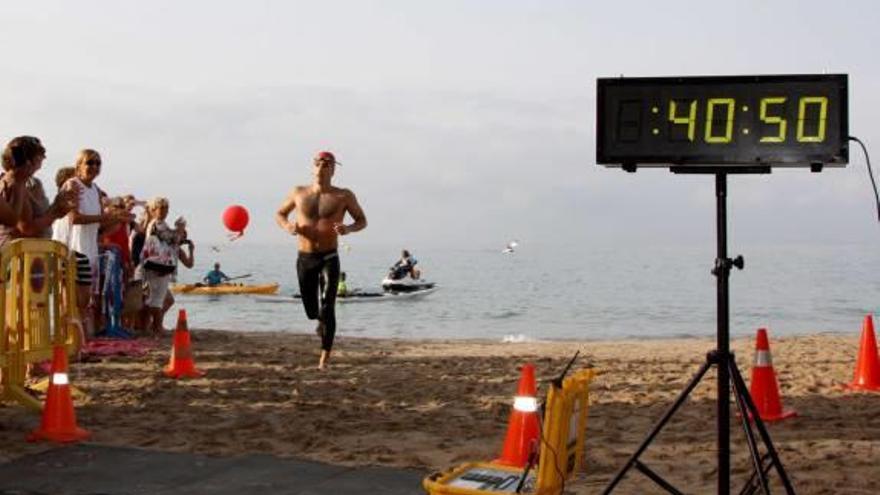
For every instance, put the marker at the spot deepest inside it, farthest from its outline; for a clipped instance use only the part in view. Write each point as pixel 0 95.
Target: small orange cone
pixel 867 373
pixel 181 364
pixel 764 389
pixel 59 419
pixel 524 425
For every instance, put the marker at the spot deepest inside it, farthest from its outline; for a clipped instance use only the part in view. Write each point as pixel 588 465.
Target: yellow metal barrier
pixel 562 450
pixel 564 433
pixel 38 303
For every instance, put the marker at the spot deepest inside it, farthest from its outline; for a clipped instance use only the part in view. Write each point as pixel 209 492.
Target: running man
pixel 320 211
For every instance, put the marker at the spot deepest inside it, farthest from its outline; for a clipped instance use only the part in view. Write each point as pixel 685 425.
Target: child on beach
pixel 117 234
pixel 134 312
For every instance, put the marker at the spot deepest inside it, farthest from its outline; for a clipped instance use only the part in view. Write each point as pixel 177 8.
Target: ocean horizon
pixel 557 292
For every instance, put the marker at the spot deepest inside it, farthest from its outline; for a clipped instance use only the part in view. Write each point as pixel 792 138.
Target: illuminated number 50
pixel 823 114
pixel 728 127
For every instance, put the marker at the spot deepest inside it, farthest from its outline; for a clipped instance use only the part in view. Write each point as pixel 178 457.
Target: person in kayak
pixel 319 210
pixel 215 277
pixel 406 265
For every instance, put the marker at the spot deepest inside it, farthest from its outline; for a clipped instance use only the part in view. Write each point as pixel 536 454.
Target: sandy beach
pixel 432 404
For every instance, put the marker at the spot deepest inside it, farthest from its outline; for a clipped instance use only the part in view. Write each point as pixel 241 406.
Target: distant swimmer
pixel 511 247
pixel 215 276
pixel 320 209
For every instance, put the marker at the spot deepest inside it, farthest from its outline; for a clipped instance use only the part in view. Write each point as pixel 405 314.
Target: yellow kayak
pixel 224 289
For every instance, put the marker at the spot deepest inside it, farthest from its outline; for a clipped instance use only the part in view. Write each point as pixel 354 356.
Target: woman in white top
pixel 82 236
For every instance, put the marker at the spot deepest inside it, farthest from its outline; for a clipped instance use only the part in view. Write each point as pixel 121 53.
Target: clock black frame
pixel 634 127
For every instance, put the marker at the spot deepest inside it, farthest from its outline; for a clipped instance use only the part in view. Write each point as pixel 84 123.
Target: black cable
pixel 555 454
pixel 543 441
pixel 535 455
pixel 870 173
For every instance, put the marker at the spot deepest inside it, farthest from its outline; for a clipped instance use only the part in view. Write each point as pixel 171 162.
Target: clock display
pixel 798 120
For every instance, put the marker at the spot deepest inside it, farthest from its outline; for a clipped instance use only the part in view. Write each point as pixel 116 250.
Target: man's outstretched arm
pixel 283 213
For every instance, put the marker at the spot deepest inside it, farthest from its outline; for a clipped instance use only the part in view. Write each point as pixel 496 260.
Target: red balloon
pixel 235 218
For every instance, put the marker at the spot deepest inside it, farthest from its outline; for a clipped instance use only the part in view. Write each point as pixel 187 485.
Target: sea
pixel 567 292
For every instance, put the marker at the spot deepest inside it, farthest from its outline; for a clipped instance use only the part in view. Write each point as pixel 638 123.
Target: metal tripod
pixel 728 374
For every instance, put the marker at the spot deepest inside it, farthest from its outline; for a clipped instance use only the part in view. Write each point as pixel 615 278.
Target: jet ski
pixel 359 296
pixel 403 278
pixel 405 285
pixel 355 297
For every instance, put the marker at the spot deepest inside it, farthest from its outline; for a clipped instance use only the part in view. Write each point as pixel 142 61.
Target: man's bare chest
pixel 322 205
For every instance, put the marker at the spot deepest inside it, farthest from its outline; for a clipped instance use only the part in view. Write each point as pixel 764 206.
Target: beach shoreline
pixel 431 404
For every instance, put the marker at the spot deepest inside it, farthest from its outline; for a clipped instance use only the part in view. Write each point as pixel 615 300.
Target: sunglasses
pixel 93 163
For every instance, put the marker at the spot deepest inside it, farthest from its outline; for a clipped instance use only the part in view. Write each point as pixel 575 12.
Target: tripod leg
pixel 751 485
pixel 740 386
pixel 657 479
pixel 750 435
pixel 659 426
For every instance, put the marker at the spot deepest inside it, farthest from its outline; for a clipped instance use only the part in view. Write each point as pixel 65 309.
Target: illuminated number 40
pixel 691 119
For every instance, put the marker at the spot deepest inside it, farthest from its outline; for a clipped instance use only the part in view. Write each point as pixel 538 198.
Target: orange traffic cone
pixel 764 389
pixel 867 373
pixel 524 426
pixel 181 364
pixel 59 419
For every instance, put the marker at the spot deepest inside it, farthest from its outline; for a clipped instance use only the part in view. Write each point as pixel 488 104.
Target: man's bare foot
pixel 322 363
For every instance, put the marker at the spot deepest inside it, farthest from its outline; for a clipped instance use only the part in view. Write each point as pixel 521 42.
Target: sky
pixel 458 123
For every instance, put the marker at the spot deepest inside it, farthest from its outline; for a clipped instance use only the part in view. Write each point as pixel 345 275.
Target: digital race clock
pixel 728 121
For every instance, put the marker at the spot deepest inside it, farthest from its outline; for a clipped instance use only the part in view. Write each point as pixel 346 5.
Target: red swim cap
pixel 326 155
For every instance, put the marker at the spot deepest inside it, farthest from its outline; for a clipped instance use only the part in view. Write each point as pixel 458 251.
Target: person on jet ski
pixel 406 265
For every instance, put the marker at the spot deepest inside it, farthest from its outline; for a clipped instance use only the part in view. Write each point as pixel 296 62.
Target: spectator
pixel 25 211
pixel 83 225
pixel 162 250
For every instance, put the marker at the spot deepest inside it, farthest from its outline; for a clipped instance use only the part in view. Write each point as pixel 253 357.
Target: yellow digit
pixel 690 120
pixel 773 119
pixel 823 115
pixel 728 128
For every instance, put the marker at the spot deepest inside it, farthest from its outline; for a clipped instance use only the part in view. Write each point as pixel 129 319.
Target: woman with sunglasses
pixel 84 223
